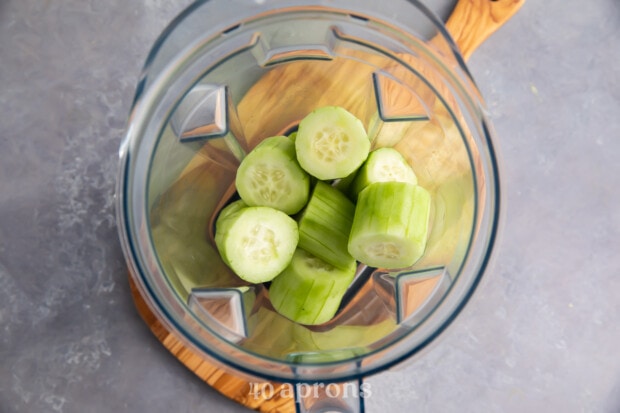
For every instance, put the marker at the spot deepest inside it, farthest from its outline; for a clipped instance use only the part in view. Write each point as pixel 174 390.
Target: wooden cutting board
pixel 470 23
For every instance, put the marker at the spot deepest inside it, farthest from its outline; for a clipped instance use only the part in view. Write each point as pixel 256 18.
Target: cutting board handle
pixel 473 21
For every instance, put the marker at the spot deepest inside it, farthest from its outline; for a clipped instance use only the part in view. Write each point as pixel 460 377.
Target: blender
pixel 227 74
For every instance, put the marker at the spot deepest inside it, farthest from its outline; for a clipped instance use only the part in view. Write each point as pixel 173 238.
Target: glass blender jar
pixel 227 74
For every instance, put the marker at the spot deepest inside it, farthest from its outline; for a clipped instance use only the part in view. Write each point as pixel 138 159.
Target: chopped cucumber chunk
pixel 325 224
pixel 257 243
pixel 382 165
pixel 231 208
pixel 390 226
pixel 309 290
pixel 331 143
pixel 270 176
pixel 344 184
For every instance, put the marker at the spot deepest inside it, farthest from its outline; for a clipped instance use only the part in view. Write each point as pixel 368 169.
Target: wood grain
pixel 473 21
pixel 255 394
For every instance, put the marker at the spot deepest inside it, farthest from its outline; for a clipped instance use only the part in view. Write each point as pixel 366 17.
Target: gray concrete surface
pixel 541 335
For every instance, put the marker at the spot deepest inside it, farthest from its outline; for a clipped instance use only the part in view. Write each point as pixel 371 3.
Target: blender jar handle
pixel 473 21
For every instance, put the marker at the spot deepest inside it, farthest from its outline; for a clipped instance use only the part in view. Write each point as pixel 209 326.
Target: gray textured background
pixel 542 334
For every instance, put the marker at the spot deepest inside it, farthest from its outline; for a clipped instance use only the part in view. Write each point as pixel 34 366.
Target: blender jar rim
pixel 139 269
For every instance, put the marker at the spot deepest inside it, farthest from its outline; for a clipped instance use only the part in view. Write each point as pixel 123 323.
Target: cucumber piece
pixel 257 243
pixel 270 176
pixel 382 165
pixel 325 224
pixel 331 143
pixel 344 184
pixel 231 208
pixel 309 290
pixel 390 226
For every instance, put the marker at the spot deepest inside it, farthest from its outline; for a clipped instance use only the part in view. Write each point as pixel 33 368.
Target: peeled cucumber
pixel 309 290
pixel 271 176
pixel 383 165
pixel 331 143
pixel 390 226
pixel 231 208
pixel 344 184
pixel 305 235
pixel 325 224
pixel 257 243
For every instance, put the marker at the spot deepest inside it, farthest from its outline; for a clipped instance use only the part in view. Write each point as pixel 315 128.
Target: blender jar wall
pixel 461 172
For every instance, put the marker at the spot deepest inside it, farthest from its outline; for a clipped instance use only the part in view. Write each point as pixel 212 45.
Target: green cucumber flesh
pixel 390 226
pixel 344 184
pixel 325 224
pixel 231 208
pixel 271 176
pixel 257 243
pixel 383 165
pixel 309 290
pixel 331 143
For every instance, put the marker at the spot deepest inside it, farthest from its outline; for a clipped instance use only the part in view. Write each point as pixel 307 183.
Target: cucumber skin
pixel 364 176
pixel 325 225
pixel 223 224
pixel 228 227
pixel 344 184
pixel 231 208
pixel 309 294
pixel 280 150
pixel 341 119
pixel 395 211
